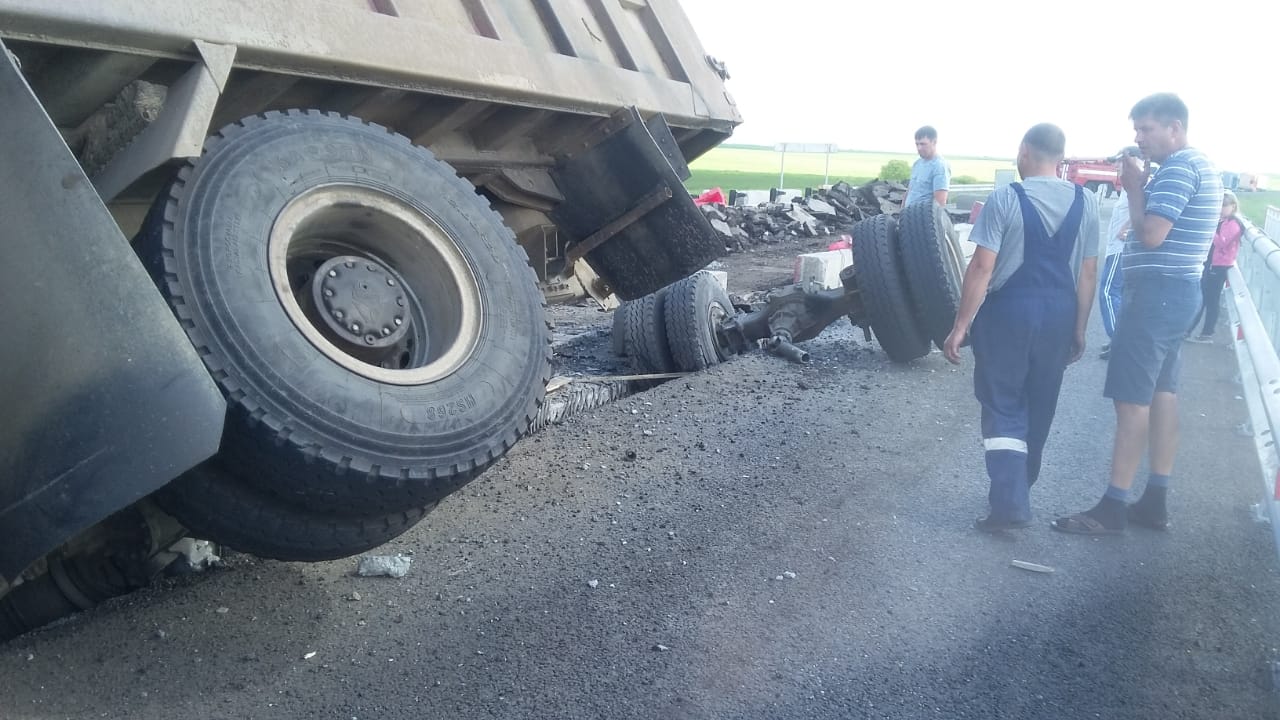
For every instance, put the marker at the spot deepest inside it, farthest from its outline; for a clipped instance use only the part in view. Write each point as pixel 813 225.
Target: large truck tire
pixel 618 333
pixel 378 333
pixel 212 503
pixel 646 334
pixel 695 307
pixel 931 257
pixel 883 290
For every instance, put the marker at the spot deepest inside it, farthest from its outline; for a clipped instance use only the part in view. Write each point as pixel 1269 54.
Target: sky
pixel 864 74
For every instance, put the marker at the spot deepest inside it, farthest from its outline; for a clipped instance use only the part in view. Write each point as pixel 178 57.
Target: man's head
pixel 1160 125
pixel 1041 150
pixel 927 142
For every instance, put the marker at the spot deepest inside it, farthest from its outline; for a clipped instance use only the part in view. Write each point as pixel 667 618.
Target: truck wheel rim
pixel 393 267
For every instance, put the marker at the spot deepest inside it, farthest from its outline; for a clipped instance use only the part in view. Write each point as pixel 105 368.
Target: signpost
pixel 785 148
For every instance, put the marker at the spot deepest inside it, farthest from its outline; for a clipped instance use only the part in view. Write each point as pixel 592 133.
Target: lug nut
pixel 355 327
pixel 398 321
pixel 349 264
pixel 400 301
pixel 391 283
pixel 328 292
pixel 368 339
pixel 338 314
pixel 333 273
pixel 386 331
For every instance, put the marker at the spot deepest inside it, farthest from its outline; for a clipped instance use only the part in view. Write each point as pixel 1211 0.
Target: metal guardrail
pixel 1254 309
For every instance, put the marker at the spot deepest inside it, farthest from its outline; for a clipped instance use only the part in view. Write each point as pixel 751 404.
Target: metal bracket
pixel 180 130
pixel 647 204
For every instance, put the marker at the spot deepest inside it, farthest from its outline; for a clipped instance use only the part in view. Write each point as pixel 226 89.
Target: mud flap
pixel 626 203
pixel 104 398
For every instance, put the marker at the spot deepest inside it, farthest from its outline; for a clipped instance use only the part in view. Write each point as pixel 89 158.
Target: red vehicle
pixel 1092 173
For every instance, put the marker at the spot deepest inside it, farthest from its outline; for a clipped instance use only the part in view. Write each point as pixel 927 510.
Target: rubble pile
pixel 821 212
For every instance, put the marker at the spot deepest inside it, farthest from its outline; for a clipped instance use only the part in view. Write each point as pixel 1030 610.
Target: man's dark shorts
pixel 1146 352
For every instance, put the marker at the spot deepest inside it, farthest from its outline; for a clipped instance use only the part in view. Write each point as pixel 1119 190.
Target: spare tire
pixel 882 289
pixel 695 306
pixel 645 335
pixel 213 503
pixel 377 331
pixel 932 259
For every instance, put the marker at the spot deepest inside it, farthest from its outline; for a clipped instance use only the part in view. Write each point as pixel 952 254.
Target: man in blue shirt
pixel 1172 218
pixel 930 175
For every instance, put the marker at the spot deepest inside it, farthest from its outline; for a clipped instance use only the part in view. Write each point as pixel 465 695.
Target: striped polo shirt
pixel 1187 191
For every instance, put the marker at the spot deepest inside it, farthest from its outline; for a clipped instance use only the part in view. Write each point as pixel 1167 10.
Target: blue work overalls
pixel 1021 344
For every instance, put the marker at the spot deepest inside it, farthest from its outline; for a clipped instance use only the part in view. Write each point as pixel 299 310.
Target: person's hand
pixel 1134 173
pixel 951 348
pixel 1077 348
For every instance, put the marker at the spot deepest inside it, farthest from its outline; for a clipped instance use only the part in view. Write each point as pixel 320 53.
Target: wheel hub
pixel 361 301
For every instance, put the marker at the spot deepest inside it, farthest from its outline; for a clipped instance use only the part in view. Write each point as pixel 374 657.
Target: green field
pixel 1254 205
pixel 740 168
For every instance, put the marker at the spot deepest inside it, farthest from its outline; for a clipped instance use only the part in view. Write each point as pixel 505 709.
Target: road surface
pixel 762 540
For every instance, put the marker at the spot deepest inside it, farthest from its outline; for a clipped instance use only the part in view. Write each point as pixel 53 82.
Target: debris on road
pixel 395 566
pixel 593 583
pixel 309 655
pixel 789 575
pixel 823 212
pixel 1031 566
pixel 660 648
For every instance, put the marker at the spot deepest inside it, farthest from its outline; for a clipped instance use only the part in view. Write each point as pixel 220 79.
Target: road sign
pixel 785 148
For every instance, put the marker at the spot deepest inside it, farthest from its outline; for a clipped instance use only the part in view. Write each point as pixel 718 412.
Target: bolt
pixel 386 331
pixel 349 264
pixel 328 292
pixel 400 301
pixel 391 283
pixel 398 321
pixel 355 327
pixel 337 314
pixel 372 268
pixel 333 273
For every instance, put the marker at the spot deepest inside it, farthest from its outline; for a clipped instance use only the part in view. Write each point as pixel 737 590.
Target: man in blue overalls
pixel 1033 275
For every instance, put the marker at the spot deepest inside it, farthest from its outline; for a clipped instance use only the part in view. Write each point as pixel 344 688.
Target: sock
pixel 1152 502
pixel 1115 493
pixel 1111 509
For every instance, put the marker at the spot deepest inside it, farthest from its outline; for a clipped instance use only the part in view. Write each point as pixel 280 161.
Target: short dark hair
pixel 1046 139
pixel 927 132
pixel 1164 107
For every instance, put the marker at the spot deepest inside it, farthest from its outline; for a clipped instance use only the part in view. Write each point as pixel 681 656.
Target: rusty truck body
pixel 275 272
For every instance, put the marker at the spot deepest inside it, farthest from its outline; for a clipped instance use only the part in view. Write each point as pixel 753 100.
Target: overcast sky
pixel 864 74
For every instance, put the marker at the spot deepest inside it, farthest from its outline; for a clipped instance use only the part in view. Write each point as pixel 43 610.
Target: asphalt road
pixel 788 542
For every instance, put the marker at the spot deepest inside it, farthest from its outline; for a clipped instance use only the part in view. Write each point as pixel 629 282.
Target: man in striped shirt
pixel 1173 215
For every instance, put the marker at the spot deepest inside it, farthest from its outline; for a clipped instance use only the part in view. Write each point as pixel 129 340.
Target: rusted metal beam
pixel 647 204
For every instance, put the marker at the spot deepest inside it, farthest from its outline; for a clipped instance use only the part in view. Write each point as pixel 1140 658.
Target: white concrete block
pixel 822 268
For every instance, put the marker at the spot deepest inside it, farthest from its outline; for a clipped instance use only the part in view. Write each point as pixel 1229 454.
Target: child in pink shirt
pixel 1222 255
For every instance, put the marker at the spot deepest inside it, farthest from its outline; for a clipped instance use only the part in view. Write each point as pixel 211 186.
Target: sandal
pixel 1082 524
pixel 991 524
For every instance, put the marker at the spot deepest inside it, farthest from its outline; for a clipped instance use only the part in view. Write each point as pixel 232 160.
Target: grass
pixel 1254 205
pixel 748 168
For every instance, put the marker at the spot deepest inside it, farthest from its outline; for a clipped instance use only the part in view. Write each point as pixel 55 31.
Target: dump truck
pixel 276 273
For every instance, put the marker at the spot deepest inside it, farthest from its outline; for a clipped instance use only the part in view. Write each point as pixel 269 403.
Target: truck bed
pixel 483 82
